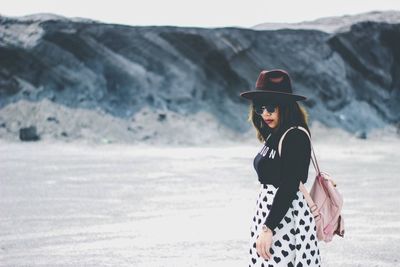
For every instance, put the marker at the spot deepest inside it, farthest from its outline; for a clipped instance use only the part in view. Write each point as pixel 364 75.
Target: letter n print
pixel 272 153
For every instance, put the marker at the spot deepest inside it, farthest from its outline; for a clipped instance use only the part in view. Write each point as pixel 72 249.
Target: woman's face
pixel 271 119
pixel 269 111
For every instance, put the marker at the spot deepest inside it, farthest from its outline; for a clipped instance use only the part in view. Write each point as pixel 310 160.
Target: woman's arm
pixel 295 161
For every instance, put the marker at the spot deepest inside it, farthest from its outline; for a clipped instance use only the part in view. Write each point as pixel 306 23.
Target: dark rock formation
pixel 351 78
pixel 28 134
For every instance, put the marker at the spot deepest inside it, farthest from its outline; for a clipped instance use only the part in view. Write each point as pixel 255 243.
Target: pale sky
pixel 200 13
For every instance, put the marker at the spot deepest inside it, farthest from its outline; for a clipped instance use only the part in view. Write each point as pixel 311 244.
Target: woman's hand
pixel 263 244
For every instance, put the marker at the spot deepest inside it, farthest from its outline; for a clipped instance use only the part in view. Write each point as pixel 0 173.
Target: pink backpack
pixel 324 199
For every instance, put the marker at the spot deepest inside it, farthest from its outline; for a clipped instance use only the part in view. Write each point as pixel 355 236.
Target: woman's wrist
pixel 266 229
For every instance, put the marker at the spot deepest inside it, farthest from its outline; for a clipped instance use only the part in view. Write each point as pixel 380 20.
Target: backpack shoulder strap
pixel 283 135
pixel 280 140
pixel 313 157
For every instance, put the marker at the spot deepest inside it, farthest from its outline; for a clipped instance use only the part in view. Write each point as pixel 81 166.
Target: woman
pixel 283 230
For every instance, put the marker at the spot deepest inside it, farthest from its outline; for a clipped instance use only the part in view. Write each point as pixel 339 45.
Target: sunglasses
pixel 259 108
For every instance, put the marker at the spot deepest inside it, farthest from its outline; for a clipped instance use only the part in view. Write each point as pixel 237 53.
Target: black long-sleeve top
pixel 283 172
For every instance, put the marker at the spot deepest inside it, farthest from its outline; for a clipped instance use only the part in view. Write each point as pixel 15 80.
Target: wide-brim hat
pixel 273 85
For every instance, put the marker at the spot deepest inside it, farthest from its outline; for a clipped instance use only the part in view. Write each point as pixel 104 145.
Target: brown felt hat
pixel 273 85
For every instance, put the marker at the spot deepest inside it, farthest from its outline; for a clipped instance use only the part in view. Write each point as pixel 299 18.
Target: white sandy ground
pixel 81 204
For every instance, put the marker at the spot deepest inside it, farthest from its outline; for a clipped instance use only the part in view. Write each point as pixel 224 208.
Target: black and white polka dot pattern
pixel 294 240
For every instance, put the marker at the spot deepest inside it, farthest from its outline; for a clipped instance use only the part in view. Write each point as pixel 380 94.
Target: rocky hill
pixel 76 79
pixel 336 23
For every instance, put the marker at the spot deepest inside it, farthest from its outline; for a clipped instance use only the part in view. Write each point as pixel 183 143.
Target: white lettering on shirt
pixel 265 150
pixel 272 154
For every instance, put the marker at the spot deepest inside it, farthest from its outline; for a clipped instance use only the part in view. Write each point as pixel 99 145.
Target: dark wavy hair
pixel 290 114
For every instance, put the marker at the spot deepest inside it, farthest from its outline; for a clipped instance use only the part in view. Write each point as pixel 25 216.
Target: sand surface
pixel 124 205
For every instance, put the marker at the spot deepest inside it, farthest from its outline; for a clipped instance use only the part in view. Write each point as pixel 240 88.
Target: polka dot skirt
pixel 294 240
